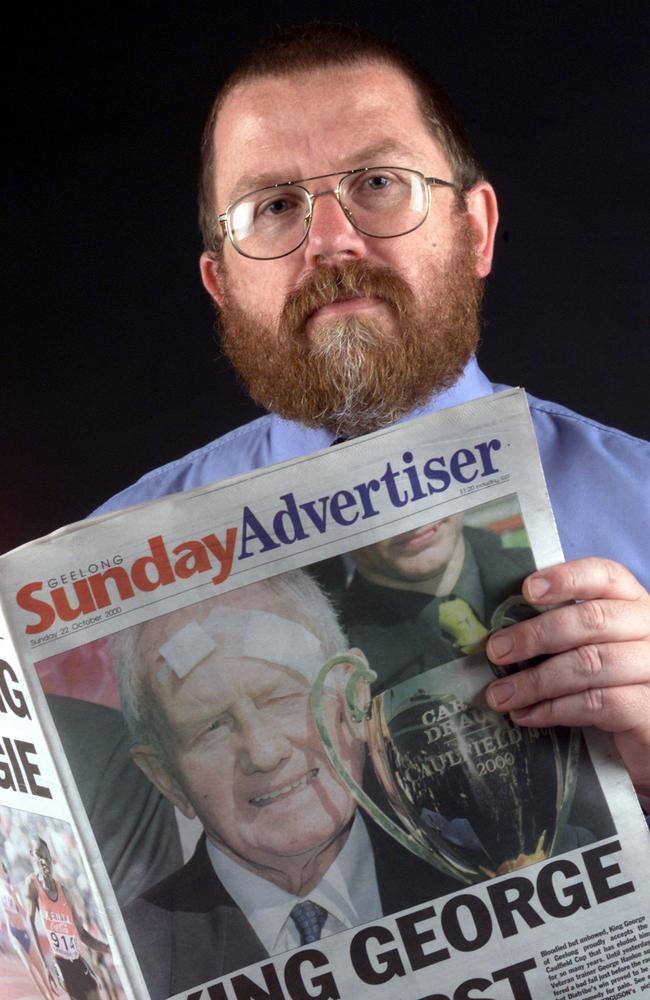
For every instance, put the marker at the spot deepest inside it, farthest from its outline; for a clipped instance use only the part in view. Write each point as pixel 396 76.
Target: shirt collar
pixel 348 890
pixel 290 440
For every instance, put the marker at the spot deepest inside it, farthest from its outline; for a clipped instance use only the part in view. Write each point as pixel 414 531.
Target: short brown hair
pixel 317 45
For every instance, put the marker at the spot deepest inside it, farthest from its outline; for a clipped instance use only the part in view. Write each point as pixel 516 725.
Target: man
pixel 425 597
pixel 63 926
pixel 13 911
pixel 351 300
pixel 217 696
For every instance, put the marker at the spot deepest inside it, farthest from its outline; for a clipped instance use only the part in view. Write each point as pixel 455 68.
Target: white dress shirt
pixel 348 892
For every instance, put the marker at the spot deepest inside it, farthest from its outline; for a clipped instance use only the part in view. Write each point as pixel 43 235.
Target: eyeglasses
pixel 382 202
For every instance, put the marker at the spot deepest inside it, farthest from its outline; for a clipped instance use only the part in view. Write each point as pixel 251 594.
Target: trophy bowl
pixel 471 793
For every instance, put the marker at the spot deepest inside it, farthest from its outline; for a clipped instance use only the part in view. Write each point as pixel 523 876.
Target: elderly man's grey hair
pixel 296 591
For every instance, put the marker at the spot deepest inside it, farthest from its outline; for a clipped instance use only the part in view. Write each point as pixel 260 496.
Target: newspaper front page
pixel 264 766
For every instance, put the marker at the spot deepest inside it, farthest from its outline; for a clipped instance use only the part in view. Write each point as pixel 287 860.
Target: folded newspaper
pixel 246 754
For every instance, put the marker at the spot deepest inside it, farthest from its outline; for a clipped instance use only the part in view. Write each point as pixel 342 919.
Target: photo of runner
pixel 53 944
pixel 13 911
pixel 65 931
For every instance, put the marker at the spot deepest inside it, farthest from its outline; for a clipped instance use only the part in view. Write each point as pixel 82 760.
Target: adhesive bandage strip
pixel 236 633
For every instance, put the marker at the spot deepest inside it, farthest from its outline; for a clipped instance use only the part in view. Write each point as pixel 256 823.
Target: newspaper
pixel 245 750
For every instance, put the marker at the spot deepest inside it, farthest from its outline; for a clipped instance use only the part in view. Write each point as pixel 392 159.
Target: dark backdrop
pixel 111 364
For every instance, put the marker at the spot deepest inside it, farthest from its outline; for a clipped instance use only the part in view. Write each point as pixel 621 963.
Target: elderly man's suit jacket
pixel 134 825
pixel 188 930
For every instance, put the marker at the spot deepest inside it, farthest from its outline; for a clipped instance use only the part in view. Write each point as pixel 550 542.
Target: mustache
pixel 329 283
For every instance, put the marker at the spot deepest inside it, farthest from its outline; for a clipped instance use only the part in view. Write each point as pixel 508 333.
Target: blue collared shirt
pixel 598 477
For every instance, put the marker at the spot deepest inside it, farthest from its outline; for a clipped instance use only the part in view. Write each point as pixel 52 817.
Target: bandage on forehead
pixel 236 633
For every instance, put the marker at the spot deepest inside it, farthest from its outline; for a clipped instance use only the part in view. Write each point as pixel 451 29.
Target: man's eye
pixel 368 188
pixel 377 182
pixel 277 207
pixel 220 725
pixel 286 700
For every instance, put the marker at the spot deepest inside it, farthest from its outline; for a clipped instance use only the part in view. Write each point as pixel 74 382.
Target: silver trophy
pixel 471 793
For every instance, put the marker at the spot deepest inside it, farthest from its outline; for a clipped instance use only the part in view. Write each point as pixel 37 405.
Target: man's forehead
pixel 268 129
pixel 255 623
pixel 254 596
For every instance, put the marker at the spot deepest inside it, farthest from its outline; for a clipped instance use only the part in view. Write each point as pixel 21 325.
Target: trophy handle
pixel 363 672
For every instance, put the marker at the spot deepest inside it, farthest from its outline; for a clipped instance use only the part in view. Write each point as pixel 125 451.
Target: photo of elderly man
pixel 217 698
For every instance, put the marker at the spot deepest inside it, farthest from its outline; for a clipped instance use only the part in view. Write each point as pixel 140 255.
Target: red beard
pixel 353 376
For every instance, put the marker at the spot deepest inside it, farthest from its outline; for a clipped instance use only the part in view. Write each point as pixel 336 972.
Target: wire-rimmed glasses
pixel 382 202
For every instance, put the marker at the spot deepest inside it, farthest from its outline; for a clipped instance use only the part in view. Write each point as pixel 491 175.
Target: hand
pixel 598 667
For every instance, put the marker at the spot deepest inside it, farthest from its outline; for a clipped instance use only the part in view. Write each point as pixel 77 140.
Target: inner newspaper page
pixel 56 937
pixel 266 702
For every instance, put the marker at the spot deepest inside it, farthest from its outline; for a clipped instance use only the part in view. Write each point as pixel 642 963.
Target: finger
pixel 559 629
pixel 606 665
pixel 615 709
pixel 582 579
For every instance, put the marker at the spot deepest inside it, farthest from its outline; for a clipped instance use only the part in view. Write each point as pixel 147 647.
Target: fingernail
pixel 538 586
pixel 500 645
pixel 499 693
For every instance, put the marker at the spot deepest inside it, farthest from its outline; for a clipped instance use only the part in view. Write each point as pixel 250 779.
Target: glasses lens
pixel 386 201
pixel 270 222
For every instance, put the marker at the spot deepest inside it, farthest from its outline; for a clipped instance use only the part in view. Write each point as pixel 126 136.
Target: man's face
pixel 42 861
pixel 432 554
pixel 347 321
pixel 246 756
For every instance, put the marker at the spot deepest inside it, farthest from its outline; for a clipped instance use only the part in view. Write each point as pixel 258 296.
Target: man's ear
pixel 211 276
pixel 483 215
pixel 148 761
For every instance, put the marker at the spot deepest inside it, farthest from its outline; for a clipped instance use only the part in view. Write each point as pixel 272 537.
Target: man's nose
pixel 263 747
pixel 331 234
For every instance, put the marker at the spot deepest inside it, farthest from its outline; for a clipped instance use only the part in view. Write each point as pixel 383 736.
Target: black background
pixel 111 365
